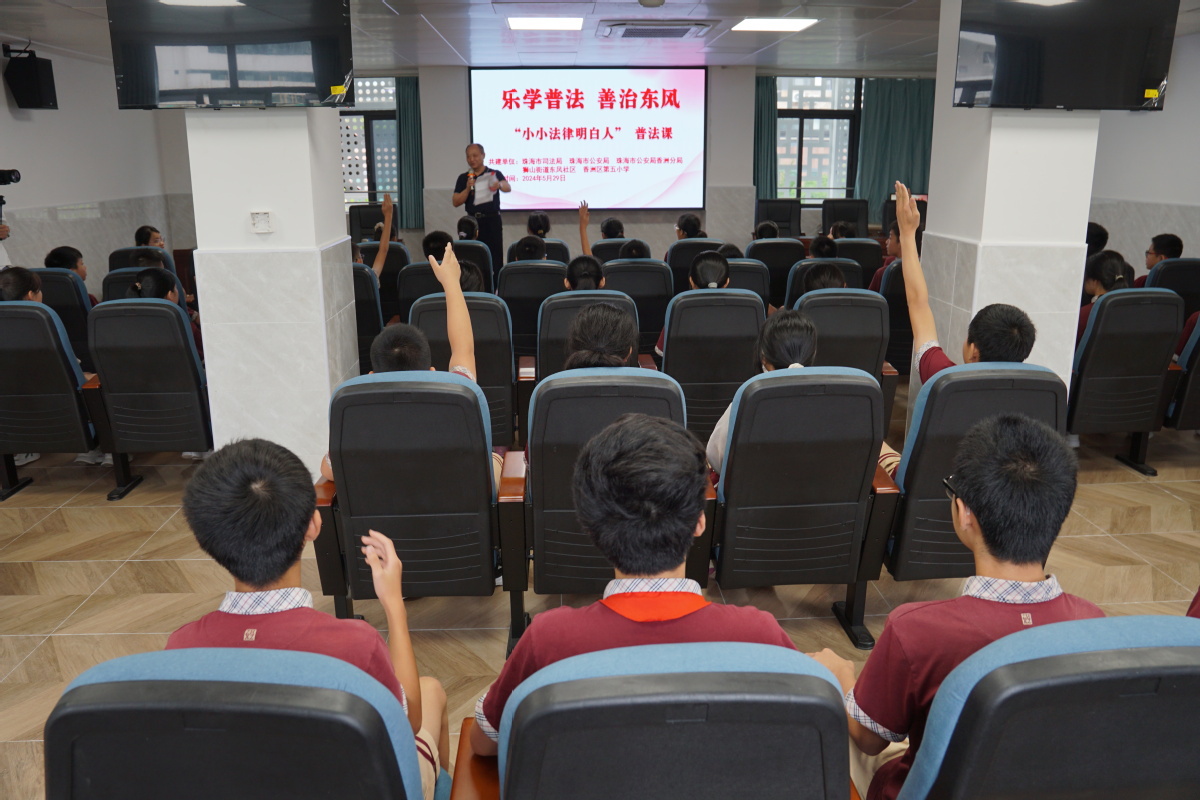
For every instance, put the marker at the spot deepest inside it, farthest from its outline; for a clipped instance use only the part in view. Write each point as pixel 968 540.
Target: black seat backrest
pixel 680 255
pixel 1182 276
pixel 801 453
pixel 412 283
pixel 118 281
pixel 480 255
pixel 556 250
pixel 784 213
pixel 397 259
pixel 851 271
pixel 1120 363
pixel 606 250
pixel 852 328
pixel 411 455
pixel 494 361
pixel 752 275
pixel 926 545
pixel 123 257
pixel 900 339
pixel 554 322
pixel 154 387
pixel 568 409
pixel 868 254
pixel 648 281
pixel 710 348
pixel 889 214
pixel 368 317
pixel 779 255
pixel 524 286
pixel 361 220
pixel 41 408
pixel 64 291
pixel 844 210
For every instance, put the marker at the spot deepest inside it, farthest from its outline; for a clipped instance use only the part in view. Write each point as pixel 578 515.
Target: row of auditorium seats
pixel 1091 708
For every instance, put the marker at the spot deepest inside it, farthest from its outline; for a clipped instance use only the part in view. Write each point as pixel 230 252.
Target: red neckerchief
pixel 654 606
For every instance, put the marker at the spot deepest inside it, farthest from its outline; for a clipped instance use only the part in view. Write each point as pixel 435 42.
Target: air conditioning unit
pixel 658 29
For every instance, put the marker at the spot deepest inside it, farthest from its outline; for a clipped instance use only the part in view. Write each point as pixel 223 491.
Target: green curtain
pixel 765 139
pixel 410 205
pixel 894 140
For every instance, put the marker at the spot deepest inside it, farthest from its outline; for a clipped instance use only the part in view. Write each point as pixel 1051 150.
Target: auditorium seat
pixel 1184 410
pixel 495 367
pixel 605 250
pixel 1180 275
pixel 711 336
pixel 851 271
pixel 680 255
pixel 153 384
pixel 231 723
pixel 361 219
pixel 556 250
pixel 1118 378
pixel 123 257
pixel 64 291
pixel 779 255
pixel 412 283
pixel 900 339
pixel 849 210
pixel 752 275
pixel 1089 708
pixel 795 496
pixel 480 255
pixel 524 286
pixel 697 721
pixel 368 316
pixel 117 283
pixel 554 322
pixel 649 283
pixel 397 259
pixel 869 255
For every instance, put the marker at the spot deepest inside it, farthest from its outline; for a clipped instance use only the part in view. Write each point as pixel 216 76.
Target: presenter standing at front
pixel 479 187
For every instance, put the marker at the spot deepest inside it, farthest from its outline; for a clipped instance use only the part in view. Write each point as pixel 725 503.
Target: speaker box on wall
pixel 31 81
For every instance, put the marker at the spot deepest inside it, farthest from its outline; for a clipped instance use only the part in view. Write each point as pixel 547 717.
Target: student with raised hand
pixel 639 490
pixel 584 272
pixel 601 335
pixel 381 254
pixel 584 216
pixel 252 508
pixel 1105 272
pixel 709 270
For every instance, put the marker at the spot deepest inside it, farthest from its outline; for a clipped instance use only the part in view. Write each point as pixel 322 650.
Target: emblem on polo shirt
pixel 1026 619
pixel 250 633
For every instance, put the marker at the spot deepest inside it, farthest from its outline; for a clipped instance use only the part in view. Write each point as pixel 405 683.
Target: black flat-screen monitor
pixel 1073 54
pixel 231 53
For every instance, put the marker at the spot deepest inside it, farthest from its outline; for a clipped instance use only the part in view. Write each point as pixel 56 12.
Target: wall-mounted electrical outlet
pixel 260 221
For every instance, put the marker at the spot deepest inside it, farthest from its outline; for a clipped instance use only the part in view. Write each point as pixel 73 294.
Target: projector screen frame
pixel 704 173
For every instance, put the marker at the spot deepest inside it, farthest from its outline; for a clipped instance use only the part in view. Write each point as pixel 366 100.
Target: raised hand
pixel 584 214
pixel 449 270
pixel 907 215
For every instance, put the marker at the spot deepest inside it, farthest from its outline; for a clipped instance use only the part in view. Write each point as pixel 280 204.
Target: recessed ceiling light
pixel 202 3
pixel 1046 2
pixel 775 24
pixel 545 23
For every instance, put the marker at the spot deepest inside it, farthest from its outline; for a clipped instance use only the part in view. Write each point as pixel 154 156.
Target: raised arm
pixel 584 216
pixel 920 315
pixel 381 256
pixel 458 319
pixel 386 573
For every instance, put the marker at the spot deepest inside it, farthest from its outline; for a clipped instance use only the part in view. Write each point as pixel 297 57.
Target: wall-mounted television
pixel 231 53
pixel 1070 54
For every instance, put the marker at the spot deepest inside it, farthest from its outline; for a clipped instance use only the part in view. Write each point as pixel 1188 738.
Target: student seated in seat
pixel 149 236
pixel 530 248
pixel 843 230
pixel 20 284
pixel 538 224
pixel 1012 488
pixel 584 272
pixel 468 228
pixel 252 508
pixel 639 490
pixel 822 247
pixel 158 284
pixel 471 279
pixel 731 251
pixel 1105 272
pixel 709 270
pixel 634 248
pixel 824 276
pixel 67 257
pixel 601 335
pixel 766 230
pixel 1162 247
pixel 435 243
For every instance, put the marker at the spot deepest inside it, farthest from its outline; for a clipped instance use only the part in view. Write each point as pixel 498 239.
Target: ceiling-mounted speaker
pixel 30 79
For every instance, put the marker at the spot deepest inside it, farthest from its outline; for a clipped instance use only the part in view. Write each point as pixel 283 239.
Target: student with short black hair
pixel 158 283
pixel 1162 247
pixel 601 335
pixel 252 508
pixel 18 283
pixel 612 228
pixel 1105 272
pixel 538 224
pixel 1096 238
pixel 843 230
pixel 822 247
pixel 639 490
pixel 634 248
pixel 823 276
pixel 730 250
pixel 709 270
pixel 1013 484
pixel 530 248
pixel 67 257
pixel 766 230
pixel 468 228
pixel 584 272
pixel 471 279
pixel 435 243
pixel 148 236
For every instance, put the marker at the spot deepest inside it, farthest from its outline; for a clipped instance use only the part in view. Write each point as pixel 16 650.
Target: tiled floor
pixel 83 580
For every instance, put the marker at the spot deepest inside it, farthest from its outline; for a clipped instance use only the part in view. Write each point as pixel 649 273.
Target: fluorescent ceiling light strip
pixel 545 23
pixel 775 24
pixel 202 3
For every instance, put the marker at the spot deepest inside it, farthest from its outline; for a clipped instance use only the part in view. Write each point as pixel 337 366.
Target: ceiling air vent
pixel 668 29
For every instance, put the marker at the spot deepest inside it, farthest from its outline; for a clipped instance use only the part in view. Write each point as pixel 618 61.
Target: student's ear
pixel 601 286
pixel 970 353
pixel 701 524
pixel 566 284
pixel 433 369
pixel 314 527
pixel 965 524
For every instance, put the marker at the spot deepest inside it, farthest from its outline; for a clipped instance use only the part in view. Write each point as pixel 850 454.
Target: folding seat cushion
pixel 555 318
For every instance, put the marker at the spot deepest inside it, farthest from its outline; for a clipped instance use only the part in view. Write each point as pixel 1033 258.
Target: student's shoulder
pixel 1083 609
pixel 751 622
pixel 915 616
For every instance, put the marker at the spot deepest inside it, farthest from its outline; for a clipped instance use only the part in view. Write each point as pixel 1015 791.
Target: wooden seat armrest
pixel 646 361
pixel 888 369
pixel 475 777
pixel 512 478
pixel 1174 367
pixel 93 383
pixel 526 368
pixel 710 490
pixel 326 492
pixel 883 483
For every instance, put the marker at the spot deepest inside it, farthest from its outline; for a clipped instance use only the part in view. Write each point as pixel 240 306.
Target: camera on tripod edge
pixel 8 176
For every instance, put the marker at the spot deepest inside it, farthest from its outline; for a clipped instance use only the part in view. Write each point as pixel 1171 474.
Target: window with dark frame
pixel 370 142
pixel 817 123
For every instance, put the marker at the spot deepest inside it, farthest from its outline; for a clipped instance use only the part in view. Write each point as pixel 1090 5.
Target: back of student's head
pixel 689 224
pixel 539 224
pixel 766 230
pixel 843 230
pixel 584 272
pixel 530 248
pixel 17 282
pixel 400 347
pixel 601 335
pixel 823 247
pixel 634 248
pixel 612 228
pixel 709 270
pixel 434 244
pixel 141 237
pixel 1002 333
pixel 639 492
pixel 787 337
pixel 468 228
pixel 470 277
pixel 1168 245
pixel 153 282
pixel 249 505
pixel 1097 238
pixel 824 275
pixel 1108 268
pixel 147 259
pixel 1017 475
pixel 65 257
pixel 730 251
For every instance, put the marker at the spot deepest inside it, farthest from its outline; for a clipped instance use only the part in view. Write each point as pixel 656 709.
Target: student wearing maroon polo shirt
pixel 1194 608
pixel 1012 488
pixel 639 493
pixel 252 507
